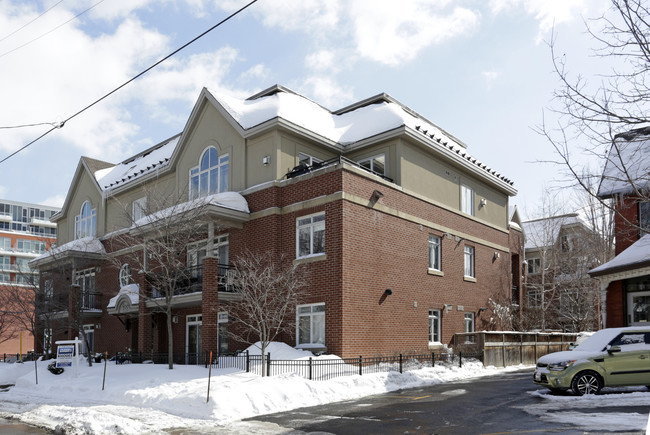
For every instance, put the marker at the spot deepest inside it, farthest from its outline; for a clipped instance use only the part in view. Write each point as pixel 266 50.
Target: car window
pixel 632 341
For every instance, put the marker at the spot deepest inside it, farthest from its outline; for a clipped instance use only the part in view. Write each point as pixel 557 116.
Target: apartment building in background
pixel 404 235
pixel 25 233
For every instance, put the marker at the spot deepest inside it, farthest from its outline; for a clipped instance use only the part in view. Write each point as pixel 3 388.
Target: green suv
pixel 611 357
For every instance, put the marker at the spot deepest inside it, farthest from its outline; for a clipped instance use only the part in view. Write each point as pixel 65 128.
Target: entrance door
pixel 638 308
pixel 193 339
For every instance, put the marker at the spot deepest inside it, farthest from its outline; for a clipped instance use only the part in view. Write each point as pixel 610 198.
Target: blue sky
pixel 479 69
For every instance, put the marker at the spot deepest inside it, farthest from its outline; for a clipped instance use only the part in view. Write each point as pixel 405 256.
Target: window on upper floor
pixel 85 223
pixel 5 263
pixel 307 159
pixel 375 164
pixel 534 265
pixel 139 209
pixel 644 216
pixel 125 275
pixel 469 261
pixel 467 200
pixel 434 253
pixel 32 246
pixel 211 175
pixel 310 235
pixel 5 244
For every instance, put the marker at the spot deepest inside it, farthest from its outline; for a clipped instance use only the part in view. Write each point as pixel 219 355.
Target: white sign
pixel 64 355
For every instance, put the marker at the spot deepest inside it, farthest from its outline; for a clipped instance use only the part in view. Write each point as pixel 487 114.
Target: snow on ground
pixel 151 399
pixel 603 412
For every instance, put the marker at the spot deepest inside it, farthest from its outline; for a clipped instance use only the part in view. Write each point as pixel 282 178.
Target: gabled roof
pixel 544 232
pixel 353 125
pixel 635 256
pixel 628 164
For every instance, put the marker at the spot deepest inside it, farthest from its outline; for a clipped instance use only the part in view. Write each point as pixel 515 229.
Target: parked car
pixel 611 357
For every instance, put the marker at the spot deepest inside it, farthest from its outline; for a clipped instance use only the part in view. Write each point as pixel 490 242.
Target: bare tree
pixel 269 293
pixel 156 245
pixel 597 114
pixel 8 328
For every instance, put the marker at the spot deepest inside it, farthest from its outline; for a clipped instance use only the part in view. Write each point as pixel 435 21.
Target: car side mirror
pixel 613 349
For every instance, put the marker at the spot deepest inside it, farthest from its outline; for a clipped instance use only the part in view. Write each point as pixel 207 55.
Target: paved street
pixel 496 405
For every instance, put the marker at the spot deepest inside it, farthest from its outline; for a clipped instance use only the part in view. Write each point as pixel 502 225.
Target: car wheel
pixel 586 383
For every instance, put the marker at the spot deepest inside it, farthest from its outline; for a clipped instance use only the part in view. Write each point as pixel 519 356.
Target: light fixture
pixel 496 255
pixel 388 292
pixel 376 195
pixel 480 310
pixel 266 160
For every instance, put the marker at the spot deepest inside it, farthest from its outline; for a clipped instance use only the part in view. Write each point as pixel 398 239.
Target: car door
pixel 627 361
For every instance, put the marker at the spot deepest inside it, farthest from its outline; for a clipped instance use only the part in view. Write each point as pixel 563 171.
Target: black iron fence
pixel 328 368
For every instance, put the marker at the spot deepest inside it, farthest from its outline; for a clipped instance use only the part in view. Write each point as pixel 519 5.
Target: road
pixel 490 406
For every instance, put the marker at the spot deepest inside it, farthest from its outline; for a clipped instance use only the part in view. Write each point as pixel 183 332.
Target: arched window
pixel 211 175
pixel 85 222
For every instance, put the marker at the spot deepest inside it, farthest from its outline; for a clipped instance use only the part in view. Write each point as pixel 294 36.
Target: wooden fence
pixel 501 349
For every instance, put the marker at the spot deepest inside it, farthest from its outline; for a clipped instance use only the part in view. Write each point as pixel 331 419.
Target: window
pixel 211 175
pixel 22 265
pixel 534 265
pixel 375 164
pixel 469 261
pixel 4 277
pixel 125 275
pixel 88 345
pixel 48 290
pixel 32 246
pixel 434 326
pixel 5 243
pixel 469 327
pixel 47 340
pixel 566 244
pixel 85 222
pixel 85 279
pixel 138 209
pixel 644 215
pixel 434 253
pixel 467 199
pixel 638 306
pixel 5 263
pixel 222 336
pixel 311 324
pixel 310 235
pixel 307 159
pixel 534 298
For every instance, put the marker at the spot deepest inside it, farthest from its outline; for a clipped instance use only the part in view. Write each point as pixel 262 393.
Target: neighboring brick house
pixel 560 295
pixel 25 233
pixel 405 236
pixel 625 280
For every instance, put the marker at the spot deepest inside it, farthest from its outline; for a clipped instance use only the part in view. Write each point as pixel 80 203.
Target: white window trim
pixel 82 223
pixel 223 160
pixel 435 316
pixel 311 316
pixel 467 199
pixel 437 242
pixel 125 276
pixel 469 253
pixel 310 159
pixel 371 160
pixel 311 234
pixel 138 209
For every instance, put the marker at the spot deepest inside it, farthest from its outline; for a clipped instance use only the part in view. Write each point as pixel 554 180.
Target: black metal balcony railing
pixel 190 280
pixel 88 301
pixel 304 168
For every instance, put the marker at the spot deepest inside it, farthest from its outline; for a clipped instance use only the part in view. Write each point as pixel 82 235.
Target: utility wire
pixel 27 24
pixel 55 124
pixel 62 123
pixel 50 31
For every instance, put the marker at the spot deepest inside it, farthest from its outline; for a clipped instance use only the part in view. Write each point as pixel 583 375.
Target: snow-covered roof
pixel 628 164
pixel 230 200
pixel 544 232
pixel 150 160
pixel 636 255
pixel 131 292
pixel 87 245
pixel 347 126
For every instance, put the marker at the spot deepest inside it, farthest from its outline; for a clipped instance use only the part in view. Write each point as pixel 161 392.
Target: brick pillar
pixel 74 320
pixel 210 305
pixel 144 317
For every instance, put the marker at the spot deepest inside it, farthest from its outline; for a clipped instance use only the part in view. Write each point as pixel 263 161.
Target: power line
pixel 62 123
pixel 55 124
pixel 50 31
pixel 30 22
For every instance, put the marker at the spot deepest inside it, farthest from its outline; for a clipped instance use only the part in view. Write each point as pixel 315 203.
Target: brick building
pixel 405 236
pixel 25 233
pixel 625 280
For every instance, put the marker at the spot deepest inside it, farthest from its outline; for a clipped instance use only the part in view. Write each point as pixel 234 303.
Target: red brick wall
pixel 624 222
pixel 615 305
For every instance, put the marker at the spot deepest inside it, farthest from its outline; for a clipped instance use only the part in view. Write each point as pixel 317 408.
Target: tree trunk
pixel 170 341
